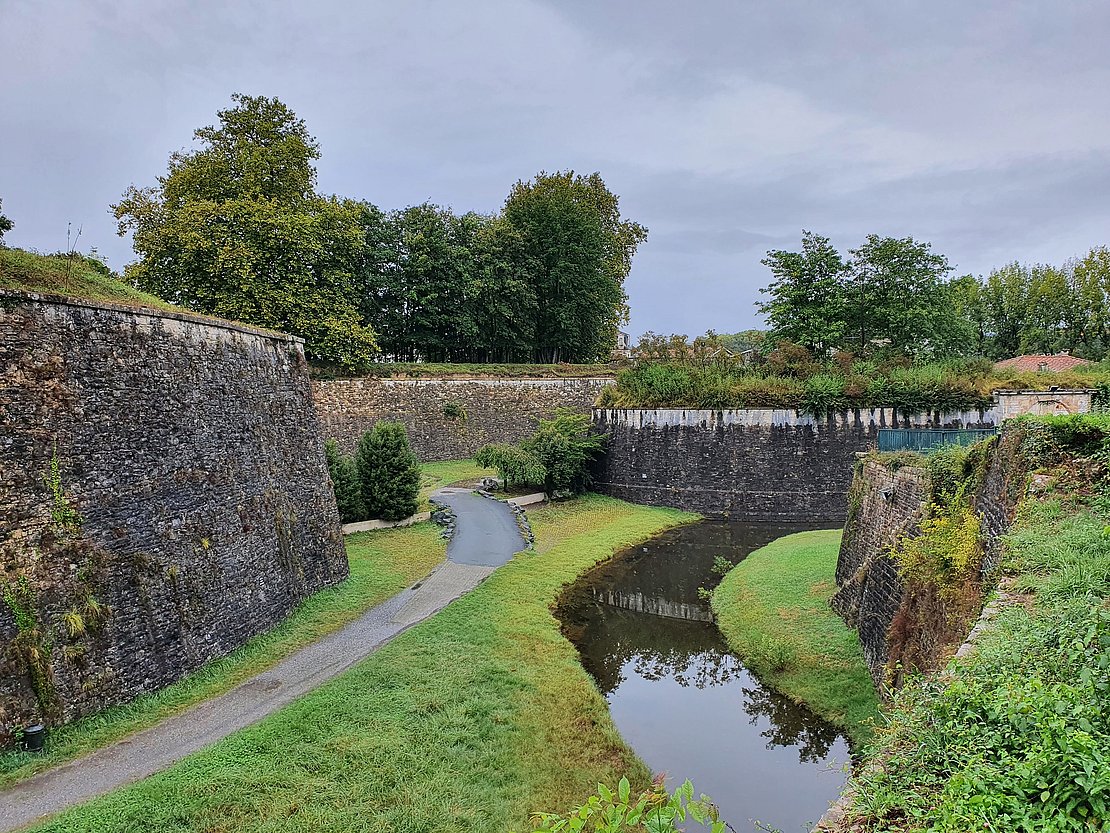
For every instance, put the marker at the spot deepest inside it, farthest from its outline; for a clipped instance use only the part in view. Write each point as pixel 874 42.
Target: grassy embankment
pixel 773 608
pixel 819 388
pixel 468 721
pixel 441 473
pixel 71 275
pixel 1016 735
pixel 382 563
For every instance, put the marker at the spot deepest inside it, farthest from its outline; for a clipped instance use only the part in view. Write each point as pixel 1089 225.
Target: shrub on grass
pixel 344 481
pixel 388 472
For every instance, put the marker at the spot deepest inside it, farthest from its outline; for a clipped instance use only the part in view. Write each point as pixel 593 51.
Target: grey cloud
pixel 726 127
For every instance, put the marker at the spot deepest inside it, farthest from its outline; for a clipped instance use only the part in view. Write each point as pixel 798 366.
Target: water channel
pixel 680 698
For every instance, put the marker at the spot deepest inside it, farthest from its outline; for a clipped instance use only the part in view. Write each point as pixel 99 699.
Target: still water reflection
pixel 682 700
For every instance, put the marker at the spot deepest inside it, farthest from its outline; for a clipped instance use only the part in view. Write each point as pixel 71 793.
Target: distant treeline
pixel 236 228
pixel 893 297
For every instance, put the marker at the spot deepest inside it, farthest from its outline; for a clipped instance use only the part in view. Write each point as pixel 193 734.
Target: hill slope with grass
pixel 74 275
pixel 773 608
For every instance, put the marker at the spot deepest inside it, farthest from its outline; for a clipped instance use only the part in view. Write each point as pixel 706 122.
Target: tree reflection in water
pixel 789 725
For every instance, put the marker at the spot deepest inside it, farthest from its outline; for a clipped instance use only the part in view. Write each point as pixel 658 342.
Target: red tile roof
pixel 1058 362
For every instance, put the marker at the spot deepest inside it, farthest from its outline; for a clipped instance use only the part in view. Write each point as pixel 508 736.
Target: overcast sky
pixel 726 127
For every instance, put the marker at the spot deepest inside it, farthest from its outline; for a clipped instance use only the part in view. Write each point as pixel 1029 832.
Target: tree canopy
pixel 236 229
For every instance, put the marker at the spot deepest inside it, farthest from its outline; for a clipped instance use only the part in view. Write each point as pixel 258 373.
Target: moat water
pixel 682 700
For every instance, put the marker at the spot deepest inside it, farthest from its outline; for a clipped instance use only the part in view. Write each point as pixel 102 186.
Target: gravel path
pixel 486 538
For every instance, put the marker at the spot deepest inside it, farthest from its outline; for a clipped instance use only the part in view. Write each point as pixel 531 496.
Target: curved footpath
pixel 485 538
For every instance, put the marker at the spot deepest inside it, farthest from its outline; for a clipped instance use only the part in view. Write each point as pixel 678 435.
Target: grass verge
pixel 382 563
pixel 441 473
pixel 467 722
pixel 773 608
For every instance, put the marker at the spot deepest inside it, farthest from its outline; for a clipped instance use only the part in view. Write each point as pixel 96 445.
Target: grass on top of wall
pixel 773 608
pixel 467 722
pixel 74 275
pixel 382 563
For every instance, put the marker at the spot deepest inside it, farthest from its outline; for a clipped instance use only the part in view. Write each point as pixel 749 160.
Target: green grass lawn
pixel 382 563
pixel 773 608
pixel 466 722
pixel 441 473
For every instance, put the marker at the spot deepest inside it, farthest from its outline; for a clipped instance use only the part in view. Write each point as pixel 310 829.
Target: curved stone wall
pixel 753 465
pixel 191 452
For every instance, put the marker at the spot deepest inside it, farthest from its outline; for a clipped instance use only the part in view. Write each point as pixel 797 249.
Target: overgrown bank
pixel 1014 735
pixel 469 721
pixel 773 608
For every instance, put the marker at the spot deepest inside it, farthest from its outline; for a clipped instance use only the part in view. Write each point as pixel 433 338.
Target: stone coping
pixel 149 312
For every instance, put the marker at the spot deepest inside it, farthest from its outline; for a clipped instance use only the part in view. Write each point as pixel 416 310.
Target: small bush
pixel 618 811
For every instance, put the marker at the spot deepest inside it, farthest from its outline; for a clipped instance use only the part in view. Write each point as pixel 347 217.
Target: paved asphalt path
pixel 485 538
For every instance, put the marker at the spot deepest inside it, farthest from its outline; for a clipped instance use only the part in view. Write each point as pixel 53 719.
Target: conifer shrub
pixel 388 472
pixel 345 483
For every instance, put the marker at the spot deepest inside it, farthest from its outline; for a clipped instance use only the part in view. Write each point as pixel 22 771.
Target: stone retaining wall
pixel 448 419
pixel 756 464
pixel 192 453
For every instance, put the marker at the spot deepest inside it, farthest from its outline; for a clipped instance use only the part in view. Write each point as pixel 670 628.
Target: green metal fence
pixel 927 439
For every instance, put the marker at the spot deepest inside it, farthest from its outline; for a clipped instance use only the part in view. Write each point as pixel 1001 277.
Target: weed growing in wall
pixel 65 517
pixel 32 644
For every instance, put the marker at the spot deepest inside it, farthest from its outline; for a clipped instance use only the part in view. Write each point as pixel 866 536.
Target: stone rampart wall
pixel 192 453
pixel 757 465
pixel 448 419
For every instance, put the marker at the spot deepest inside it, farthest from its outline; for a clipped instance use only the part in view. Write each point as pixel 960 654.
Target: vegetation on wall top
pixel 791 377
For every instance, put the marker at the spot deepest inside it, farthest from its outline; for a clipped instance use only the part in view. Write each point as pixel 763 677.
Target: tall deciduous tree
pixel 807 303
pixel 235 228
pixel 575 251
pixel 896 296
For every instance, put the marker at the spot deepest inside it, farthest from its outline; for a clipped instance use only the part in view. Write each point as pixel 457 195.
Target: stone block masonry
pixel 752 465
pixel 449 419
pixel 192 453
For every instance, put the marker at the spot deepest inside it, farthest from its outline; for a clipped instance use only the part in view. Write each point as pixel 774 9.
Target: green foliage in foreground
pixel 76 275
pixel 469 721
pixel 773 608
pixel 1016 735
pixel 382 563
pixel 654 810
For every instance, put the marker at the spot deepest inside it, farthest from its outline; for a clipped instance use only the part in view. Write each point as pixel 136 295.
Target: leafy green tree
pixel 567 449
pixel 345 483
pixel 806 303
pixel 235 228
pixel 575 251
pixel 1005 296
pixel 388 472
pixel 896 296
pixel 515 466
pixel 6 225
